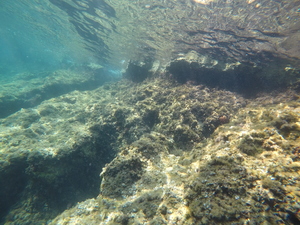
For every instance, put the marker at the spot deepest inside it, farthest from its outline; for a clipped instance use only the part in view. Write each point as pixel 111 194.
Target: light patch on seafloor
pixel 204 2
pixel 49 151
pixel 250 1
pixel 94 66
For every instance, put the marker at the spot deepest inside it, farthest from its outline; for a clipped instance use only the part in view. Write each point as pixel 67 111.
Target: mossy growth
pixel 251 144
pixel 274 186
pixel 119 177
pixel 148 203
pixel 151 117
pixel 119 116
pixel 286 124
pixel 184 136
pixel 27 118
pixel 215 194
pixel 150 145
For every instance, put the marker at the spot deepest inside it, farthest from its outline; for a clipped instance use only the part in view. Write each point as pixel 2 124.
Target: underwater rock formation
pixel 167 153
pixel 204 127
pixel 208 181
pixel 243 78
pixel 26 90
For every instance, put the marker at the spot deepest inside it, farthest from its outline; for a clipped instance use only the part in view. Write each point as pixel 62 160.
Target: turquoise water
pixel 202 126
pixel 45 35
pixel 42 41
pixel 39 36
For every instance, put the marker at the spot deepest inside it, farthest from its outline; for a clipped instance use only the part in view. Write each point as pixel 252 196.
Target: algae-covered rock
pixel 217 192
pixel 26 90
pixel 252 144
pixel 45 151
pixel 120 176
pixel 242 78
pixel 167 153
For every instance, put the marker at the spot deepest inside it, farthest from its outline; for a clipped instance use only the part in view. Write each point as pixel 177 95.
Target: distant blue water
pixel 38 36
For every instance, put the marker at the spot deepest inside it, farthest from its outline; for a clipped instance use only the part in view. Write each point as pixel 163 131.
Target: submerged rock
pixel 167 153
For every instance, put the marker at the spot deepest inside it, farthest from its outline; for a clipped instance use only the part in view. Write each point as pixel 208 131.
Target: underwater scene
pixel 162 112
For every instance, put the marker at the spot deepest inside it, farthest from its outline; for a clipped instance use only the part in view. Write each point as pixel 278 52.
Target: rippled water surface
pixel 60 33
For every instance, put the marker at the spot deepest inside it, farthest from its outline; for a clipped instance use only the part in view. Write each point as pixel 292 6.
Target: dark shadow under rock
pixel 245 79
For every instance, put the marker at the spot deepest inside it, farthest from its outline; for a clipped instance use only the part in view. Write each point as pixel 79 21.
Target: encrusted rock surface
pixel 27 89
pixel 210 181
pixel 193 145
pixel 174 154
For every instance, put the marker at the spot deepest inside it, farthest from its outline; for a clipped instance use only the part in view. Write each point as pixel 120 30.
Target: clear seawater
pixel 46 35
pixel 40 39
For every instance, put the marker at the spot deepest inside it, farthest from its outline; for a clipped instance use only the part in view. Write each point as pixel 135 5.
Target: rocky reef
pixel 203 128
pixel 28 89
pixel 167 152
pixel 244 170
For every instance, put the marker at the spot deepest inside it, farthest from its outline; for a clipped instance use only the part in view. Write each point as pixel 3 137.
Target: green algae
pixel 275 186
pixel 286 124
pixel 120 176
pixel 216 193
pixel 252 144
pixel 148 203
pixel 166 162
